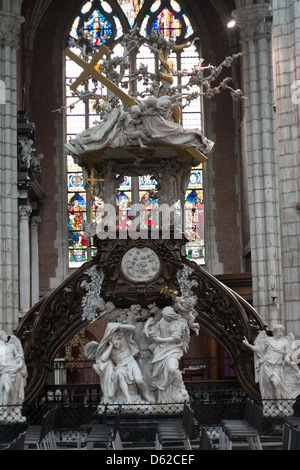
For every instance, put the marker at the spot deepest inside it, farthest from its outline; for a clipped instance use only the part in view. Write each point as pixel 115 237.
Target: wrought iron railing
pixel 73 417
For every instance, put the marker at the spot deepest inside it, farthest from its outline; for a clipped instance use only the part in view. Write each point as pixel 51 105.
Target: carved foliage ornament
pixel 9 29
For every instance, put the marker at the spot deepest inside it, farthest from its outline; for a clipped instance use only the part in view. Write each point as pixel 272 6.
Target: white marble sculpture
pixel 121 379
pixel 143 124
pixel 169 338
pixel 138 358
pixel 275 372
pixel 185 306
pixel 140 264
pixel 13 374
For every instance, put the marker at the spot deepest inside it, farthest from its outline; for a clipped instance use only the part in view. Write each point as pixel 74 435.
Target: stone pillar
pixel 9 287
pixel 286 54
pixel 34 238
pixel 259 159
pixel 25 265
pixel 135 189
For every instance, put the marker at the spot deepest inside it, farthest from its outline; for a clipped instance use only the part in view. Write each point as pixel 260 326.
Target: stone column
pixel 259 159
pixel 10 23
pixel 25 265
pixel 34 238
pixel 286 54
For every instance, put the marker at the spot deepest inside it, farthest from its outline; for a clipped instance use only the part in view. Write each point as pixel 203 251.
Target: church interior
pixel 235 198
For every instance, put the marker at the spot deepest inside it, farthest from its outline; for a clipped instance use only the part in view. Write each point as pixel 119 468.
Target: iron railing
pixel 72 417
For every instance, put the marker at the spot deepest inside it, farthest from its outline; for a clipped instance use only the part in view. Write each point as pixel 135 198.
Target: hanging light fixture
pixel 231 23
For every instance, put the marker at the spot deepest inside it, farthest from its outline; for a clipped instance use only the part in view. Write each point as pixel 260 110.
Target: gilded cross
pixel 92 182
pixel 89 69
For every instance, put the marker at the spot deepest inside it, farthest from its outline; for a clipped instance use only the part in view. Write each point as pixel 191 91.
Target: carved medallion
pixel 140 264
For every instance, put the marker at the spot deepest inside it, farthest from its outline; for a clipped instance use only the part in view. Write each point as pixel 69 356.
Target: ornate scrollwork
pixel 56 318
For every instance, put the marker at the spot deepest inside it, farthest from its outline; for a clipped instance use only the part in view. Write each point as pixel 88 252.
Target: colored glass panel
pixel 176 7
pixel 143 29
pixel 77 220
pixel 189 29
pixel 167 25
pixel 149 215
pixel 131 9
pixel 196 179
pixel 194 221
pixel 155 6
pixel 72 166
pixel 97 210
pixel 126 183
pixel 123 204
pixel 75 182
pixel 77 257
pixel 147 182
pixel 97 28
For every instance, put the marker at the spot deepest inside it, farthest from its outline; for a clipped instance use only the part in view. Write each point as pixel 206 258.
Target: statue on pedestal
pixel 169 341
pixel 121 379
pixel 13 374
pixel 278 376
pixel 138 357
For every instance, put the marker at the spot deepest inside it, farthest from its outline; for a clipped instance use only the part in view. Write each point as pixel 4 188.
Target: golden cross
pixel 89 69
pixel 92 180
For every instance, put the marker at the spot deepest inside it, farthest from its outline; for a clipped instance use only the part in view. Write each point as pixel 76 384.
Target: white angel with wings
pixel 116 365
pixel 278 376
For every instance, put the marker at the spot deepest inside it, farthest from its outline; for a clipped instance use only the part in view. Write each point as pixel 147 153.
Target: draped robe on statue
pixel 145 120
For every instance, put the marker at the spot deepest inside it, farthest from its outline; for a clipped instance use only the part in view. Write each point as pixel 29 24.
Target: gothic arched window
pixel 106 22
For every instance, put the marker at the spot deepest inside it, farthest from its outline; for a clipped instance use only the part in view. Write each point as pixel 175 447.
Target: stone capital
pixel 251 21
pixel 25 211
pixel 35 222
pixel 10 25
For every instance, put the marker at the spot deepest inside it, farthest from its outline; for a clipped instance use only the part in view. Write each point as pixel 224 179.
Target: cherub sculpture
pixel 185 307
pixel 275 372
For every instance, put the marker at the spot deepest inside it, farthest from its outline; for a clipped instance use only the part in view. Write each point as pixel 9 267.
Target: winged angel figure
pixel 170 340
pixel 276 373
pixel 116 365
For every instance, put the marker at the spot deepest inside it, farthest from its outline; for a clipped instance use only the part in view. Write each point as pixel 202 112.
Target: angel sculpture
pixel 13 375
pixel 121 379
pixel 169 338
pixel 278 376
pixel 185 307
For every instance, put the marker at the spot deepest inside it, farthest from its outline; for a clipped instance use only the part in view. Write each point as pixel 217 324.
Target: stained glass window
pixel 105 22
pixel 194 217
